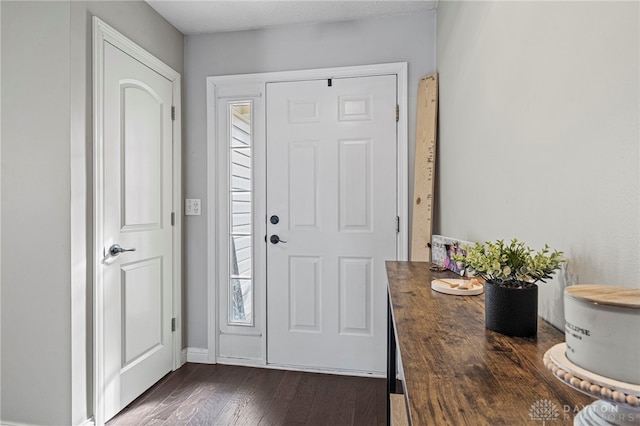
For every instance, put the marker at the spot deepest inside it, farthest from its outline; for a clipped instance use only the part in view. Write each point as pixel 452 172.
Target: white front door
pixel 331 182
pixel 136 163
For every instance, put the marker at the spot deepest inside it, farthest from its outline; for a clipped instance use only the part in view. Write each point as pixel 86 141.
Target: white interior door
pixel 136 214
pixel 331 181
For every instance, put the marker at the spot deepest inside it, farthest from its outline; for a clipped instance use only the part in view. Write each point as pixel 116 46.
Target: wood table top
pixel 457 372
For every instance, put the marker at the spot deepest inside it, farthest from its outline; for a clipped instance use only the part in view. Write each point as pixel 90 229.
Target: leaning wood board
pixel 424 168
pixel 457 372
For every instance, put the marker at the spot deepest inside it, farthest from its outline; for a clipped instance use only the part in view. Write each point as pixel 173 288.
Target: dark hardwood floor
pixel 201 394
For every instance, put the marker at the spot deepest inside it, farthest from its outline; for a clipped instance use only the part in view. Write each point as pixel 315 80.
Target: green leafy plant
pixel 511 265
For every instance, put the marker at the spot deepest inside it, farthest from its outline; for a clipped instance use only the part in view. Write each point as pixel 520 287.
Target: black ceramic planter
pixel 511 311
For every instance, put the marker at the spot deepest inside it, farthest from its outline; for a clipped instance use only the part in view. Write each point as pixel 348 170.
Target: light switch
pixel 192 207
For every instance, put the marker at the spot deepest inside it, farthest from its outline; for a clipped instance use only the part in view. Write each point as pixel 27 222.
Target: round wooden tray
pixel 592 384
pixel 443 287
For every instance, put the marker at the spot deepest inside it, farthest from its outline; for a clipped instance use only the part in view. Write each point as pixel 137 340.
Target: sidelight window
pixel 240 215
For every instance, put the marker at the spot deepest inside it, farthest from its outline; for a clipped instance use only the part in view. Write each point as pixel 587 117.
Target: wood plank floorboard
pixel 221 395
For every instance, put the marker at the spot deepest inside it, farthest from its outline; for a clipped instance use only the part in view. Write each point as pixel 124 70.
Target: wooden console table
pixel 456 372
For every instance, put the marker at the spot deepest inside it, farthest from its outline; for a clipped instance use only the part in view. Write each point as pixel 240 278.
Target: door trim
pixel 399 69
pixel 103 33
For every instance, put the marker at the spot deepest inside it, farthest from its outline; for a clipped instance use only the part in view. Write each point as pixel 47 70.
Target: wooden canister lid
pixel 606 295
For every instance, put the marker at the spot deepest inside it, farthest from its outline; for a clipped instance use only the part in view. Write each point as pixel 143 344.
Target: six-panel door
pixel 331 180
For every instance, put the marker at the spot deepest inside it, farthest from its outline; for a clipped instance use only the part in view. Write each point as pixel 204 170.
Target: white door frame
pixel 103 33
pixel 398 68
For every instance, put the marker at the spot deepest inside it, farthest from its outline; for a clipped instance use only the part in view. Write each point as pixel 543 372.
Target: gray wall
pixel 46 198
pixel 36 307
pixel 405 38
pixel 539 133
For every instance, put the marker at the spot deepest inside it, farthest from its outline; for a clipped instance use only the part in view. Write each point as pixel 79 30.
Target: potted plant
pixel 511 272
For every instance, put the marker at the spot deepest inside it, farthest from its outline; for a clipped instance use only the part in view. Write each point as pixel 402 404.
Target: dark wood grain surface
pixel 222 395
pixel 457 372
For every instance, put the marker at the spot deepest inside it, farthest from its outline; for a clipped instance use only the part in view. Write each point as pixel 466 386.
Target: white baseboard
pixel 201 356
pixel 198 355
pixel 88 422
pixel 372 374
pixel 246 362
pixel 242 362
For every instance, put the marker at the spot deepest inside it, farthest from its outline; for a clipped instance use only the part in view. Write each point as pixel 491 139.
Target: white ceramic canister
pixel 602 330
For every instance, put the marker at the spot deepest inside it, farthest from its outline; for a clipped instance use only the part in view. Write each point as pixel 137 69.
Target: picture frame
pixel 443 247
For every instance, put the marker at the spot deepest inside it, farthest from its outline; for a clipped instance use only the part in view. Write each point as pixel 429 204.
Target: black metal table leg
pixel 391 359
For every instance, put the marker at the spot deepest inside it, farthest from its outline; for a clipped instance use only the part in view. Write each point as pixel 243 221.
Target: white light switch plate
pixel 192 207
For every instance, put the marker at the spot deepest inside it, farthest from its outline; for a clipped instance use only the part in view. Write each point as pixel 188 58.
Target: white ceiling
pixel 210 16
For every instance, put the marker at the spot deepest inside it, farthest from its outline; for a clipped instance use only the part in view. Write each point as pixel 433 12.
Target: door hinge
pixel 173 324
pixel 397 224
pixel 397 113
pixel 173 219
pixel 173 113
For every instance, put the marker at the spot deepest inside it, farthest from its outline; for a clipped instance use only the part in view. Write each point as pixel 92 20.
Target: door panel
pixel 142 314
pixel 141 156
pixel 355 185
pixel 356 292
pixel 303 184
pixel 137 164
pixel 304 293
pixel 331 177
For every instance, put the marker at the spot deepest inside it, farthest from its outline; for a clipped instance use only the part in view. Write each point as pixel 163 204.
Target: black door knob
pixel 275 240
pixel 274 219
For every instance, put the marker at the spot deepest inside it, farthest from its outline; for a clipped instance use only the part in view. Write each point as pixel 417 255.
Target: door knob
pixel 275 240
pixel 274 219
pixel 115 250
